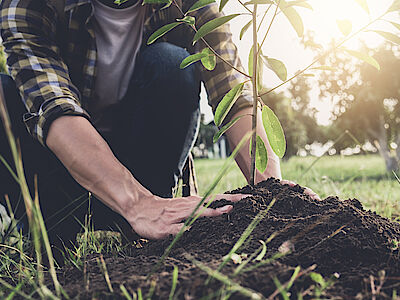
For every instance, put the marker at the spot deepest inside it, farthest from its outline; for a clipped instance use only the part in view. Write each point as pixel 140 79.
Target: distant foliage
pixel 368 102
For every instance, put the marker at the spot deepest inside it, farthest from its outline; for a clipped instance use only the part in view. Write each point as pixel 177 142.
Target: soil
pixel 356 251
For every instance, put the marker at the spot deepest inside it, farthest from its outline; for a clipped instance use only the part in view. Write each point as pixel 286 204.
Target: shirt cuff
pixel 38 124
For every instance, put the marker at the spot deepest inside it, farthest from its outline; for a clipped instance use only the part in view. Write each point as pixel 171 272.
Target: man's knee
pixel 160 63
pixel 7 83
pixel 11 94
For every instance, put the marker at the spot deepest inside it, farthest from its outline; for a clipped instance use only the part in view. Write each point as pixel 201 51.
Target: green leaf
pixel 293 16
pixel 161 31
pixel 192 59
pixel 244 29
pixel 259 67
pixel 188 20
pixel 199 4
pixel 364 5
pixel 394 7
pixel 209 60
pixel 345 26
pixel 211 26
pixel 222 4
pixel 277 66
pixel 389 36
pixel 324 68
pixel 317 278
pixel 261 155
pixel 263 251
pixel 226 103
pixel 174 283
pixel 300 3
pixel 364 57
pixel 252 2
pixel 225 128
pixel 293 277
pixel 397 25
pixel 274 131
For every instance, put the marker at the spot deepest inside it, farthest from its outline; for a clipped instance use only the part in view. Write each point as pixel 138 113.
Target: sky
pixel 284 44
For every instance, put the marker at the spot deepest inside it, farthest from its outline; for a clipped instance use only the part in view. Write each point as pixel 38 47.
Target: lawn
pixel 361 177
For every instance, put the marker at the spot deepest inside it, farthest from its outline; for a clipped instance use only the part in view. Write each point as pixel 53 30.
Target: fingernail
pixel 225 209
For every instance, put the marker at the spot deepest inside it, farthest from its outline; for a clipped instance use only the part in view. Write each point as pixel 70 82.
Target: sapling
pixel 257 60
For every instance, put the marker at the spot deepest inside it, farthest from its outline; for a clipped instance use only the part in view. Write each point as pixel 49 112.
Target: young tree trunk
pixel 391 161
pixel 398 147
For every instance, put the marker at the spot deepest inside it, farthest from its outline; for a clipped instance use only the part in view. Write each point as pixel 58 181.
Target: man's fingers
pixel 312 194
pixel 228 197
pixel 214 212
pixel 288 182
pixel 175 228
pixel 307 190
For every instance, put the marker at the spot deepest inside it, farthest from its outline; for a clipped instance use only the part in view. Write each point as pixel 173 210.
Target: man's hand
pixel 160 217
pixel 93 165
pixel 307 190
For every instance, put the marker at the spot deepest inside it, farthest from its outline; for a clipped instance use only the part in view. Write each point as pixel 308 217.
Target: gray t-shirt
pixel 118 35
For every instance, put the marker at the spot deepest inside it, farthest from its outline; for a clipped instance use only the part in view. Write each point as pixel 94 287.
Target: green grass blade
pixel 174 283
pixel 260 216
pixel 282 291
pixel 9 169
pixel 226 280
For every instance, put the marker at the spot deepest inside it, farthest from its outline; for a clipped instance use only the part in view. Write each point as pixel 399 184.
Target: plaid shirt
pixel 52 58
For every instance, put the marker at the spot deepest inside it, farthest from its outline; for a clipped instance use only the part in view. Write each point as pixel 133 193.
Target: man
pixel 120 116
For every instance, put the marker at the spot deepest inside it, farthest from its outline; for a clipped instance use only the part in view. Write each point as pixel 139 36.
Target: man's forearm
pixel 236 133
pixel 93 165
pixel 91 162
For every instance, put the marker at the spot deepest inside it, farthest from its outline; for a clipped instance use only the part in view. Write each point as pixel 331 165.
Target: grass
pixel 363 177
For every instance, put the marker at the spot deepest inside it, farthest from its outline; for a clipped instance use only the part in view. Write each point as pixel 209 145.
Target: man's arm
pixel 236 133
pixel 93 165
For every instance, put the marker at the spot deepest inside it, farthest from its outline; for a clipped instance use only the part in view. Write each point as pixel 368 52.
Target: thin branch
pixel 262 19
pixel 269 27
pixel 221 58
pixel 245 7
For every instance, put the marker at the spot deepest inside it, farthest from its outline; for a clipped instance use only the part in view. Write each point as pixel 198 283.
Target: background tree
pixel 367 101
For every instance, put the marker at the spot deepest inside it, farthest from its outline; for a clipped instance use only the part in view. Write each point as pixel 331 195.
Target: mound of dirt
pixel 356 251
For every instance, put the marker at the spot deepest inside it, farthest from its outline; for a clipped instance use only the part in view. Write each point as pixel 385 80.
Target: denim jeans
pixel 153 129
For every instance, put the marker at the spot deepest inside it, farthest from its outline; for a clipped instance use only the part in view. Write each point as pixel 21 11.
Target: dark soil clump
pixel 356 251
